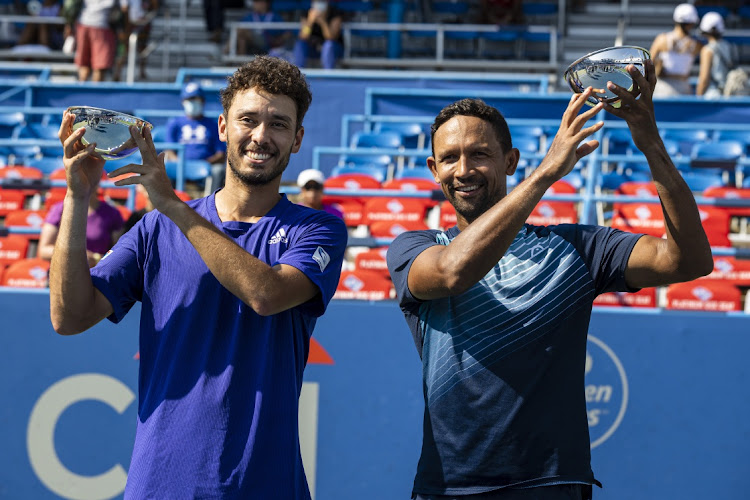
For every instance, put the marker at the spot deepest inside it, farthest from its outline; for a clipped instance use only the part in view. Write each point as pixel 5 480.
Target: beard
pixel 470 211
pixel 258 177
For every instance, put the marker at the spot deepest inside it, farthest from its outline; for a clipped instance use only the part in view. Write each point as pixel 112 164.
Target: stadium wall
pixel 666 395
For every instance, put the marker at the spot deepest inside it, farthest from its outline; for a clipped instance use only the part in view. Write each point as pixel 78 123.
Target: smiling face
pixel 470 166
pixel 260 130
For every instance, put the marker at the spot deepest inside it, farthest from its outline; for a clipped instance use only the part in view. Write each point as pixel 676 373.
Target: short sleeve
pixel 401 255
pixel 606 252
pixel 317 249
pixel 54 216
pixel 119 274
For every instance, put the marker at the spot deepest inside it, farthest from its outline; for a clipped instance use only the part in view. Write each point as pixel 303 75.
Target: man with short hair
pixel 499 309
pixel 231 286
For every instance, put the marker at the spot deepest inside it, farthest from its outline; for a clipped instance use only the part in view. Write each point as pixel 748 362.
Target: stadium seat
pixel 195 170
pixel 741 136
pixel 617 141
pixel 645 297
pixel 27 273
pixel 12 249
pixel 363 285
pixel 411 184
pixel 386 140
pixel 420 171
pixel 698 181
pixel 388 209
pixel 412 134
pixel 716 224
pixel 460 44
pixel 352 208
pixel 632 188
pixel 11 200
pixel 53 197
pixel 389 229
pixel 353 181
pixel 8 123
pixel 376 166
pixel 610 181
pixel 686 138
pixel 373 260
pixel 550 213
pixel 730 193
pixel 501 44
pixel 22 174
pixel 47 164
pixel 29 219
pixel 719 155
pixel 704 295
pixel 732 270
pixel 642 218
pixel 447 215
pixel 43 132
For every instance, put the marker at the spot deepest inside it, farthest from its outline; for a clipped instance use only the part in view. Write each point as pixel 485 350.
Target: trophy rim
pixel 141 120
pixel 577 61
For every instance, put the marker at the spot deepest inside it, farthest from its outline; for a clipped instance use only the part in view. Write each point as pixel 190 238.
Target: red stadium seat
pixel 22 172
pixel 731 193
pixel 373 260
pixel 363 285
pixel 562 187
pixel 395 210
pixel 352 209
pixel 11 200
pixel 715 222
pixel 644 218
pixel 27 273
pixel 26 218
pixel 12 249
pixel 732 270
pixel 447 215
pixel 390 229
pixel 634 188
pixel 549 213
pixel 704 295
pixel 645 297
pixel 53 197
pixel 411 184
pixel 352 182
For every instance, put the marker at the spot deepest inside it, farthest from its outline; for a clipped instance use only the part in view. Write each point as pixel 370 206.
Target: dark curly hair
pixel 479 109
pixel 271 75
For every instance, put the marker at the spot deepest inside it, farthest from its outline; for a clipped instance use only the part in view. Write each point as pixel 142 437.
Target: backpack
pixel 737 83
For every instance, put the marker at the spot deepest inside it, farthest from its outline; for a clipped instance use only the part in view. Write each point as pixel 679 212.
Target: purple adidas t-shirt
pixel 219 384
pixel 104 221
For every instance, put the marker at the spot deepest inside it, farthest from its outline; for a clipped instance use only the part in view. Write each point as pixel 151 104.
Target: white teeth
pixel 467 189
pixel 258 156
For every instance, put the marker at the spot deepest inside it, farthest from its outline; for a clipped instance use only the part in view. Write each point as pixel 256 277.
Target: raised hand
pixel 83 166
pixel 566 148
pixel 151 174
pixel 637 112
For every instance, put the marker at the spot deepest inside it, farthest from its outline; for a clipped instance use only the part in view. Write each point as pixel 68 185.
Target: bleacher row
pixel 383 187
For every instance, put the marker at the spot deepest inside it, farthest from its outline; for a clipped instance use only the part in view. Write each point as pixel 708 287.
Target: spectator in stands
pixel 138 22
pixel 501 12
pixel 197 133
pixel 231 286
pixel 716 59
pixel 96 40
pixel 320 35
pixel 46 35
pixel 499 310
pixel 104 227
pixel 259 41
pixel 310 183
pixel 674 53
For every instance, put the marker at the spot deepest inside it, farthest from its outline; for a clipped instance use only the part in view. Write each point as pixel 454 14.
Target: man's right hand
pixel 566 148
pixel 83 166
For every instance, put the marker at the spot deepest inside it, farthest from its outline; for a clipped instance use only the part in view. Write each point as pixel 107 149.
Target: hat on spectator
pixel 712 21
pixel 310 175
pixel 191 91
pixel 685 13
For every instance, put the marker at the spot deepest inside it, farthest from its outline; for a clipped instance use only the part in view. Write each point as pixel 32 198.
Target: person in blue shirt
pixel 197 133
pixel 230 287
pixel 499 309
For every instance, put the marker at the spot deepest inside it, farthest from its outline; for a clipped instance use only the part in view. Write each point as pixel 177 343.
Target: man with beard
pixel 230 285
pixel 499 309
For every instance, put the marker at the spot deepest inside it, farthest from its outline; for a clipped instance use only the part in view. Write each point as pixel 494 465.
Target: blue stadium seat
pixel 43 132
pixel 415 173
pixel 503 44
pixel 376 140
pixel 686 138
pixel 719 154
pixel 380 160
pixel 700 181
pixel 195 170
pixel 9 122
pixel 47 164
pixel 742 136
pixel 412 134
pixel 610 181
pixel 377 172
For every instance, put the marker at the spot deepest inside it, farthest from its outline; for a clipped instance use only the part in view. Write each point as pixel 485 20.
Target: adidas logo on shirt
pixel 279 237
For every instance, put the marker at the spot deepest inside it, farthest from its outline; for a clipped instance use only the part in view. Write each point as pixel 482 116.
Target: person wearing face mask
pixel 197 133
pixel 674 52
pixel 320 35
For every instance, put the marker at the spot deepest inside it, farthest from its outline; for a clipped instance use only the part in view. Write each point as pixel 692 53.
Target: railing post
pixel 395 15
pixel 132 55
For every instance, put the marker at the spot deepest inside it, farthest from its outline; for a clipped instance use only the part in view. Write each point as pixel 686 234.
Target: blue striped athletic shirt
pixel 503 363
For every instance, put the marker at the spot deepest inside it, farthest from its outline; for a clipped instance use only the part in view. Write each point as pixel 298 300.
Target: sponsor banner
pixel 664 395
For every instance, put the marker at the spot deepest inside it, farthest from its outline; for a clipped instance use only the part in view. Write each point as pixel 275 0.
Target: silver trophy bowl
pixel 110 130
pixel 599 67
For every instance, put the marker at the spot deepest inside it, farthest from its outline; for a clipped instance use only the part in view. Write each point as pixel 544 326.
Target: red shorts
pixel 95 47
